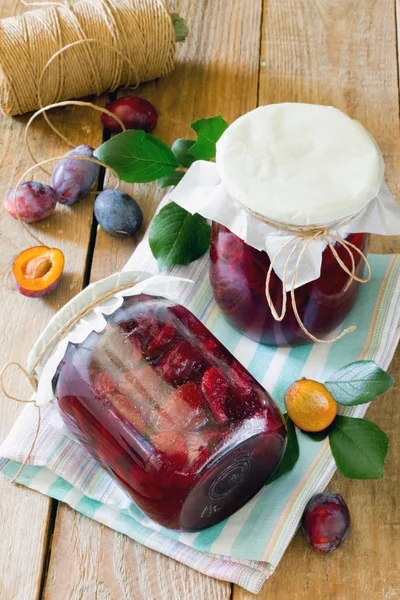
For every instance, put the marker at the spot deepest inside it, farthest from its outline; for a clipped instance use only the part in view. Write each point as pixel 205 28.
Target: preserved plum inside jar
pixel 163 406
pixel 238 274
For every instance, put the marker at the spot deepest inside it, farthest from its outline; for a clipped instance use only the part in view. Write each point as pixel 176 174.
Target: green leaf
pixel 171 179
pixel 181 148
pixel 359 383
pixel 291 453
pixel 137 157
pixel 208 133
pixel 177 237
pixel 359 448
pixel 180 27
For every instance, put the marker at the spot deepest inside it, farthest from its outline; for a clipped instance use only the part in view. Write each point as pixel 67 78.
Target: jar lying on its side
pixel 238 274
pixel 178 422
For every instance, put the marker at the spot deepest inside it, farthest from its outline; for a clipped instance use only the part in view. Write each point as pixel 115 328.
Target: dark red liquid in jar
pixel 179 423
pixel 238 273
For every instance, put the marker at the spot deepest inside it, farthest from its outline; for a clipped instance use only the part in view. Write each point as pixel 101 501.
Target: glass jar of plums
pixel 170 414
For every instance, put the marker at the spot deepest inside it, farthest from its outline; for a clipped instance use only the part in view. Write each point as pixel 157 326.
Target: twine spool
pixel 140 30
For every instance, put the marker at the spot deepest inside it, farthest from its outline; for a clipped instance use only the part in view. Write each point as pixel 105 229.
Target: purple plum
pixel 35 201
pixel 326 522
pixel 72 179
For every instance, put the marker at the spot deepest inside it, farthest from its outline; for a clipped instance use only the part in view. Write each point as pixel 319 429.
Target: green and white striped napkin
pixel 246 548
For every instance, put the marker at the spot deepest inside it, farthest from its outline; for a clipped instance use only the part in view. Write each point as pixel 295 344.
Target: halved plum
pixel 215 388
pixel 183 409
pixel 172 448
pixel 37 271
pixel 181 363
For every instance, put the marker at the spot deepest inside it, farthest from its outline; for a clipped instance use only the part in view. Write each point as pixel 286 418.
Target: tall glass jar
pixel 288 185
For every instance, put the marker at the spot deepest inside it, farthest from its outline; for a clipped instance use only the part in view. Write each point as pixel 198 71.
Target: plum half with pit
pixel 73 178
pixel 37 271
pixel 33 201
pixel 118 213
pixel 326 522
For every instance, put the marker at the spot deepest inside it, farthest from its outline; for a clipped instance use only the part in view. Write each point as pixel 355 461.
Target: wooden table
pixel 240 53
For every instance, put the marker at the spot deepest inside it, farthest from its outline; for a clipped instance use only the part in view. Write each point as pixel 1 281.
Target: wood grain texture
pixel 340 52
pixel 343 53
pixel 216 72
pixel 91 562
pixel 25 514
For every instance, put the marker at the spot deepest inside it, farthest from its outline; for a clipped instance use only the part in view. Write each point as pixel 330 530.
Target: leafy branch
pixel 176 236
pixel 359 447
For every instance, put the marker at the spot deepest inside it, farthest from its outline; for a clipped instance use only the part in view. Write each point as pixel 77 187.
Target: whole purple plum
pixel 35 201
pixel 326 522
pixel 72 179
pixel 134 112
pixel 118 213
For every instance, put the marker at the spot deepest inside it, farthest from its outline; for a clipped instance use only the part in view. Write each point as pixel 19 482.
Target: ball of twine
pixel 100 45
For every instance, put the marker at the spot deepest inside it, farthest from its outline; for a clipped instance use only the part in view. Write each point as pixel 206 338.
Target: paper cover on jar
pixel 142 282
pixel 225 191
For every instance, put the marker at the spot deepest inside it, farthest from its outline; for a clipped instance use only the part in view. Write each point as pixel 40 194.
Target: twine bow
pixel 303 236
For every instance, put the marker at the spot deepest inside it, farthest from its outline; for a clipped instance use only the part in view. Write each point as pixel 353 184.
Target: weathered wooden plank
pixel 343 53
pixel 91 562
pixel 216 72
pixel 25 514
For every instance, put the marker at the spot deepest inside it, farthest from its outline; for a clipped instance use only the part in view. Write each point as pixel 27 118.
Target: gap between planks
pixel 85 282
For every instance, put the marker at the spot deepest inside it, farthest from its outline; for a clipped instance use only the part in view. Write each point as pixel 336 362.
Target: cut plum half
pixel 181 363
pixel 183 409
pixel 37 271
pixel 215 388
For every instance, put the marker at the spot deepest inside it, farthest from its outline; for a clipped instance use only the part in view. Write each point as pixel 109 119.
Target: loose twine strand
pixel 51 346
pixel 303 236
pixel 43 109
pixel 33 383
pixel 44 162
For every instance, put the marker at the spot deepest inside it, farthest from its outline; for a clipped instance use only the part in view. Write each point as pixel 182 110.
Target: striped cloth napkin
pixel 246 548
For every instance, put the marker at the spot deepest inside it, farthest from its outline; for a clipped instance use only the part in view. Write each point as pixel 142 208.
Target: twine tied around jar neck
pixel 51 346
pixel 303 236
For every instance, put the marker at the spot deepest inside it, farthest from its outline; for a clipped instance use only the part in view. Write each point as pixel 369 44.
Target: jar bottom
pixel 231 481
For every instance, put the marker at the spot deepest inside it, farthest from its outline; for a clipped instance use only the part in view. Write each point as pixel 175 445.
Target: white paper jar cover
pixel 295 164
pixel 142 283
